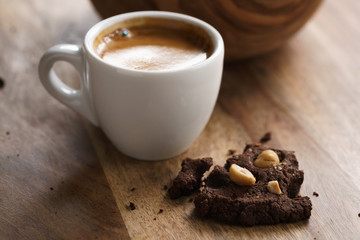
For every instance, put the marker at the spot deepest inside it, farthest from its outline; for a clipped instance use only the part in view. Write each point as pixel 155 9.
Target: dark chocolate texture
pixel 265 138
pixel 2 83
pixel 189 178
pixel 132 206
pixel 223 200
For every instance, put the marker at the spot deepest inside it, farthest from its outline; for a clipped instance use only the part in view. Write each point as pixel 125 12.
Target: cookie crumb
pixel 51 188
pixel 132 206
pixel 190 200
pixel 55 212
pixel 7 133
pixel 161 210
pixel 2 83
pixel 133 189
pixel 165 187
pixel 265 138
pixel 315 194
pixel 18 155
pixel 231 152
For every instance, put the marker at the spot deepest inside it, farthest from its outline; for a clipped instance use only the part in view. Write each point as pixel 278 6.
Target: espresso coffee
pixel 153 44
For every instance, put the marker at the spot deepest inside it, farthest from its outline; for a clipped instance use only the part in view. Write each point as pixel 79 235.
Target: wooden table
pixel 60 178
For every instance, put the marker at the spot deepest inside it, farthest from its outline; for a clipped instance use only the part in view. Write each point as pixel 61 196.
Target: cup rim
pixel 214 35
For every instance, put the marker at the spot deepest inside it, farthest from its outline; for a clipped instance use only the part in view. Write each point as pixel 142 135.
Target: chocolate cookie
pixel 224 200
pixel 189 178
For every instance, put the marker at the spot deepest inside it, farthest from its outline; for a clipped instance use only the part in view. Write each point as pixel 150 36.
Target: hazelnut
pixel 266 159
pixel 241 176
pixel 273 187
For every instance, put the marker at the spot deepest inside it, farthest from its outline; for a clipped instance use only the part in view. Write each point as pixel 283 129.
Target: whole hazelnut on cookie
pixel 241 176
pixel 267 159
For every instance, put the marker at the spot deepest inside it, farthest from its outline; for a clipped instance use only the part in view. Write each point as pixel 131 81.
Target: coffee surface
pixel 152 48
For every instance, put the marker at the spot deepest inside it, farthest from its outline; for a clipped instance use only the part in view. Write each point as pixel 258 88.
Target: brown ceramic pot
pixel 249 27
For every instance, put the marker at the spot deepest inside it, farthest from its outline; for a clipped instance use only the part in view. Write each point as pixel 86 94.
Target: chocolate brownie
pixel 189 178
pixel 224 200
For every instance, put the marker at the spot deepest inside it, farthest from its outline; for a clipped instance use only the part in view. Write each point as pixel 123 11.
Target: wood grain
pixel 249 28
pixel 51 183
pixel 306 94
pixel 54 185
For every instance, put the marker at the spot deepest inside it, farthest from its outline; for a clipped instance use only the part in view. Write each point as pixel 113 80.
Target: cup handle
pixel 78 100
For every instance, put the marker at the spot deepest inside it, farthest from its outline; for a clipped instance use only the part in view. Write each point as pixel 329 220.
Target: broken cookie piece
pixel 189 178
pixel 224 200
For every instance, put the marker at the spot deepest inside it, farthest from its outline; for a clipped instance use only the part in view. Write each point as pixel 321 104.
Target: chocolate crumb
pixel 7 133
pixel 231 152
pixel 2 83
pixel 51 188
pixel 132 206
pixel 161 210
pixel 315 194
pixel 55 212
pixel 359 215
pixel 18 155
pixel 265 138
pixel 133 189
pixel 62 182
pixel 165 187
pixel 154 219
pixel 190 200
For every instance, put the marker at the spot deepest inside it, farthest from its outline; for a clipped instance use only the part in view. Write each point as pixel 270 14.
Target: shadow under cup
pixel 154 115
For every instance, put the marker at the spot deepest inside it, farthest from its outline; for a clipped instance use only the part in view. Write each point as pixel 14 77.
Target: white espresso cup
pixel 148 115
